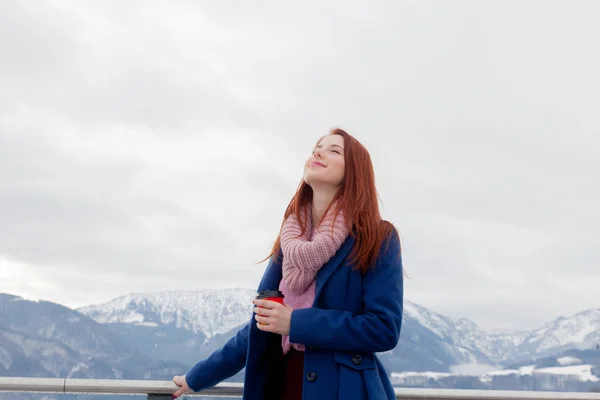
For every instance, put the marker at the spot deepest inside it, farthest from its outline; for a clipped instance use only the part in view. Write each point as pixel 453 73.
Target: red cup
pixel 273 295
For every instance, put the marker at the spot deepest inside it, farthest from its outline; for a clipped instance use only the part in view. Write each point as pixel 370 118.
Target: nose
pixel 318 154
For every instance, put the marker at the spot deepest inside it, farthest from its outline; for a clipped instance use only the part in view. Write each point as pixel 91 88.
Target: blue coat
pixel 353 317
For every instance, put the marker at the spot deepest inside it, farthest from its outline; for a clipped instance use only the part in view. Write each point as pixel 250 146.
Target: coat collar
pixel 273 273
pixel 330 266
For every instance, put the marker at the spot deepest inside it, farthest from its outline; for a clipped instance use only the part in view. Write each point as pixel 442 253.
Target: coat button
pixel 357 359
pixel 312 347
pixel 311 376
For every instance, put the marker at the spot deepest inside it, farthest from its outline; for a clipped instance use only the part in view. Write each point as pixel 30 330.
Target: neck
pixel 320 201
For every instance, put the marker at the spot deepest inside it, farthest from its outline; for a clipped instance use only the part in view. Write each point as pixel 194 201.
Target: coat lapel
pixel 258 338
pixel 330 266
pixel 272 276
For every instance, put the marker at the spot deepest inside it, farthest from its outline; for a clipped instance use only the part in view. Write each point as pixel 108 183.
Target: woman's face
pixel 325 167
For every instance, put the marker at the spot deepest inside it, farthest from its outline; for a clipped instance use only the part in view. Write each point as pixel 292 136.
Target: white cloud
pixel 155 146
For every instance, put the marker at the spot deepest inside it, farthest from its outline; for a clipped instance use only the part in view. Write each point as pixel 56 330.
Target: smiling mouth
pixel 317 164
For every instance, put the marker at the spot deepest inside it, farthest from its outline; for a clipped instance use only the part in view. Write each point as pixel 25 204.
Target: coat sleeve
pixel 377 329
pixel 222 364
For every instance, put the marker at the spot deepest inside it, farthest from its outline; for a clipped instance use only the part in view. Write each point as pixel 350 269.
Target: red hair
pixel 358 201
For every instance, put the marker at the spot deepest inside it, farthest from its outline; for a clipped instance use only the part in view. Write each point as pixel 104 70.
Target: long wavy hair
pixel 357 199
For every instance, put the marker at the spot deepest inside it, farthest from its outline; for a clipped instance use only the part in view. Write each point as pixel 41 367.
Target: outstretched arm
pixel 222 364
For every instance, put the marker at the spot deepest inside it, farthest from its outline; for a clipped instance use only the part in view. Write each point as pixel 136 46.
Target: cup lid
pixel 269 293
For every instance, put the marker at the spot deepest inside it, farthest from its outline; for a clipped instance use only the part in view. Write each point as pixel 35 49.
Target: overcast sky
pixel 153 146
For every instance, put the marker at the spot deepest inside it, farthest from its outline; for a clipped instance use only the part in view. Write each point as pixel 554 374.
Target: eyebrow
pixel 332 145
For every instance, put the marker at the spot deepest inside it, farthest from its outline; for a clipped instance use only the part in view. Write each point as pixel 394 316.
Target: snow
pixel 463 339
pixel 568 360
pixel 217 311
pixel 436 323
pixel 525 370
pixel 128 318
pixel 428 375
pixel 211 312
pixel 582 372
pixel 150 324
pixel 31 299
pixel 579 330
pixel 76 369
pixel 503 372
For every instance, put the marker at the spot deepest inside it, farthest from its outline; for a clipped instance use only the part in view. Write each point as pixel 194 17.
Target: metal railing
pixel 165 389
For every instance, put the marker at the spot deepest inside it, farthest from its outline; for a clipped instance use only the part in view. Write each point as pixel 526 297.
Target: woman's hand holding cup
pixel 271 314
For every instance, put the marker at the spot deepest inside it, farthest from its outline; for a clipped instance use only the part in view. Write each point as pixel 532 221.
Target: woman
pixel 339 266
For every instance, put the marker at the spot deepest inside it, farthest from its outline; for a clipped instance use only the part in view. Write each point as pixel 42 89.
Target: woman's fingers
pixel 268 304
pixel 180 393
pixel 268 308
pixel 184 388
pixel 266 327
pixel 264 311
pixel 270 324
pixel 260 318
pixel 265 320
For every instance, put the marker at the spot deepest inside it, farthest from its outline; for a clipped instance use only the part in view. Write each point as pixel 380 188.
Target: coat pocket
pixel 351 367
pixel 359 377
pixel 356 361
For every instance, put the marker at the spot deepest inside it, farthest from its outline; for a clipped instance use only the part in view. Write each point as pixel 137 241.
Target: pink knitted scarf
pixel 304 254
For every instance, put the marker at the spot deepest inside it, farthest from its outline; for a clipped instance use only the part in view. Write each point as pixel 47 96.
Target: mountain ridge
pixel 217 311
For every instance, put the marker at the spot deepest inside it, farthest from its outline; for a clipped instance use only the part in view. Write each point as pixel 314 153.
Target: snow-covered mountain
pixel 580 331
pixel 454 340
pixel 45 339
pixel 158 321
pixel 139 335
pixel 210 312
pixel 463 339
